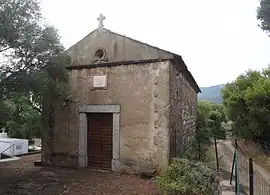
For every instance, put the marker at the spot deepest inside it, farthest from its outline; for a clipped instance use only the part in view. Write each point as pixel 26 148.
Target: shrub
pixel 184 177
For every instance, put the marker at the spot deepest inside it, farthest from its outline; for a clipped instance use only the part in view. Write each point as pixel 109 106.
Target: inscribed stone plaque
pixel 100 81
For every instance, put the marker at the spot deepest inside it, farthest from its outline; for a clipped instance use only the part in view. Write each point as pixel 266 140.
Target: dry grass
pixel 210 158
pixel 254 151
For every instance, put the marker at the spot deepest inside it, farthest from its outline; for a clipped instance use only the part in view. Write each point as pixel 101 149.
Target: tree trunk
pixel 50 131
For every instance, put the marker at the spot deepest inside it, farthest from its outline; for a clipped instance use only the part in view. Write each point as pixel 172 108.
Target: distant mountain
pixel 211 94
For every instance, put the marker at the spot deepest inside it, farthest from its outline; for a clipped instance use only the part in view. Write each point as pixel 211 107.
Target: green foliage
pixel 32 65
pixel 203 133
pixel 5 112
pixel 215 123
pixel 263 15
pixel 187 178
pixel 227 126
pixel 24 121
pixel 210 117
pixel 31 48
pixel 247 103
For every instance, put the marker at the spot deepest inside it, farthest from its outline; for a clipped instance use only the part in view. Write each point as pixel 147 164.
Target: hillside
pixel 211 94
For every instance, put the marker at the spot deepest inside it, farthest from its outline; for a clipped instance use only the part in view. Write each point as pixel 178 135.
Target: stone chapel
pixel 132 107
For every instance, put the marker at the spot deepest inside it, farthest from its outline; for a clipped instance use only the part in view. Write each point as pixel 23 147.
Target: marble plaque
pixel 100 81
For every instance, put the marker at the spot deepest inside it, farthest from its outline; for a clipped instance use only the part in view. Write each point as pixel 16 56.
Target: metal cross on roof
pixel 100 19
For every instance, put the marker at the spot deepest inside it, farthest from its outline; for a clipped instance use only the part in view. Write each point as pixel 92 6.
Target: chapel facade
pixel 132 106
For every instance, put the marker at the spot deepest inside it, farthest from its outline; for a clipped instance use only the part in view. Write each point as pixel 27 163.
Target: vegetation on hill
pixel 211 94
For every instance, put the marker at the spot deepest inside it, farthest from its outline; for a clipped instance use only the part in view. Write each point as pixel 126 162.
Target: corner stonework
pixel 83 155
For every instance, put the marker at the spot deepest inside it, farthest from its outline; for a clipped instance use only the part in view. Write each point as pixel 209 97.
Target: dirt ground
pixel 22 177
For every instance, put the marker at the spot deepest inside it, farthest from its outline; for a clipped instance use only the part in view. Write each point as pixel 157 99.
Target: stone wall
pixel 183 100
pixel 141 91
pixel 189 111
pixel 64 148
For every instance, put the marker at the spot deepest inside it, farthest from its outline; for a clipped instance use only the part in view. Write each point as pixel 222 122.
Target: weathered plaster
pixel 118 48
pixel 82 161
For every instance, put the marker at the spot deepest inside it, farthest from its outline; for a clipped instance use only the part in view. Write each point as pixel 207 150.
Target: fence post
pixel 216 153
pixel 232 168
pixel 199 151
pixel 237 190
pixel 251 177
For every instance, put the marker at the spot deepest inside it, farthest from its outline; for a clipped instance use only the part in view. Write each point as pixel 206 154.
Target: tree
pixel 208 125
pixel 263 14
pixel 247 102
pixel 25 119
pixel 5 112
pixel 32 59
pixel 31 49
pixel 211 115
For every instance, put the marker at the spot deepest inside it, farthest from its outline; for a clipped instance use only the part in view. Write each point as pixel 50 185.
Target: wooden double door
pixel 99 140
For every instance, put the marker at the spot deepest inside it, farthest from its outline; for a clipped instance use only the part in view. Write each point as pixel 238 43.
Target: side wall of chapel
pixel 183 100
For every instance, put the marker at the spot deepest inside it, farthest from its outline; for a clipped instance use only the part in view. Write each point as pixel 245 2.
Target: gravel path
pixel 21 177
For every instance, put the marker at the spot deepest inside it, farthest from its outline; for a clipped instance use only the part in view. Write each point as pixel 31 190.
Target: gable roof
pixel 120 49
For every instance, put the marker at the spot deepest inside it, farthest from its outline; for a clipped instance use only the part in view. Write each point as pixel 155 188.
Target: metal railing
pixel 12 146
pixel 247 175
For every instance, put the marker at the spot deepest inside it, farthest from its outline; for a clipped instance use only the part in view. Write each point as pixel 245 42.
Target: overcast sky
pixel 218 39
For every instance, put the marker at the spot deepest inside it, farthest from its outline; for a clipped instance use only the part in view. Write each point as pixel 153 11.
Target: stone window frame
pixel 83 133
pixel 97 53
pixel 97 59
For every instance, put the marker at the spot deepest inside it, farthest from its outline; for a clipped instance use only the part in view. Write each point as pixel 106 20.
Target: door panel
pixel 100 126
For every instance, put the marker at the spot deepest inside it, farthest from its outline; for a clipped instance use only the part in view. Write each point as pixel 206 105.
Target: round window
pixel 99 53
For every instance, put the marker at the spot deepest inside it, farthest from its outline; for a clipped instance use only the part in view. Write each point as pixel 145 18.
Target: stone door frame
pixel 83 133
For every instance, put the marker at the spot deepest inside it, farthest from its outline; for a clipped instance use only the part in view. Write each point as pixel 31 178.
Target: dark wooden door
pixel 100 128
